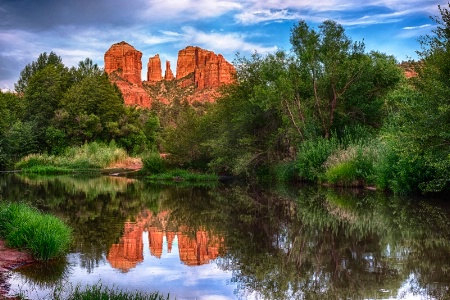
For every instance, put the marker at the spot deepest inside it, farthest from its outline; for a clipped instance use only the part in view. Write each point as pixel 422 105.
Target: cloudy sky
pixel 76 29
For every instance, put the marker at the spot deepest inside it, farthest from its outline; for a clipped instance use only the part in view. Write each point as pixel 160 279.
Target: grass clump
pixel 312 155
pixel 182 175
pixel 88 156
pixel 25 227
pixel 353 166
pixel 97 291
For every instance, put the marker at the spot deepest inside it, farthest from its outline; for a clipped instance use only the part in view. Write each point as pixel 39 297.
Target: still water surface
pixel 238 242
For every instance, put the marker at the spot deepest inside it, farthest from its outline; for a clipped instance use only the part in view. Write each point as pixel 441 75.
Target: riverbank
pixel 10 259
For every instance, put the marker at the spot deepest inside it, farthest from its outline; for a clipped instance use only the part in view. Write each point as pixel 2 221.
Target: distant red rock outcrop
pixel 210 70
pixel 198 71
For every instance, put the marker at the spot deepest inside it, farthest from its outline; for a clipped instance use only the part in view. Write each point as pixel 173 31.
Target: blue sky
pixel 76 29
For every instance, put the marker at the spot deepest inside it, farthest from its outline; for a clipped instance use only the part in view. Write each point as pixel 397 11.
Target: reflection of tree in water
pixel 334 246
pixel 311 244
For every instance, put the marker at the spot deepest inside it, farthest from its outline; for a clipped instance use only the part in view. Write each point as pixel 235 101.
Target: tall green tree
pixel 43 61
pixel 339 85
pixel 86 108
pixel 43 95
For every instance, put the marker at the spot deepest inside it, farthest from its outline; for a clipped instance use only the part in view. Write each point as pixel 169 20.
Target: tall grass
pixel 96 292
pixel 99 292
pixel 352 166
pixel 312 155
pixel 25 227
pixel 88 156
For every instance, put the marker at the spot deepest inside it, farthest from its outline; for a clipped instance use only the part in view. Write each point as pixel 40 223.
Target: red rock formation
pixel 123 64
pixel 209 70
pixel 168 74
pixel 133 94
pixel 126 59
pixel 199 73
pixel 154 72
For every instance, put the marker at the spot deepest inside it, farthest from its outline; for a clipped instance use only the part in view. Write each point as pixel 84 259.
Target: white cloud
pixel 318 11
pixel 188 9
pixel 416 27
pixel 222 42
pixel 249 17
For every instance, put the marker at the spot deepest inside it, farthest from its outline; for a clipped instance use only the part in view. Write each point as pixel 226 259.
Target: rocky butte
pixel 123 65
pixel 199 73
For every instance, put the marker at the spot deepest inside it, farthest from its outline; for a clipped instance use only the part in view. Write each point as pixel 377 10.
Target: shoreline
pixel 10 259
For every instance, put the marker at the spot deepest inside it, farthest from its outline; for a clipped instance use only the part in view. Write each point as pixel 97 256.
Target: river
pixel 237 241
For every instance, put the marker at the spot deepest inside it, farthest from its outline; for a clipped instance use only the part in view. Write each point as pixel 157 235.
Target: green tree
pixel 418 131
pixel 27 73
pixel 43 97
pixel 339 85
pixel 12 109
pixel 86 108
pixel 86 68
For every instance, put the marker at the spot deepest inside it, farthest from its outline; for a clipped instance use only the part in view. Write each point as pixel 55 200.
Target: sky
pixel 77 29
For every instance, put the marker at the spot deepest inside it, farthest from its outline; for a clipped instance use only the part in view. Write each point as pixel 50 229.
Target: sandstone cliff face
pixel 123 64
pixel 210 70
pixel 154 72
pixel 124 58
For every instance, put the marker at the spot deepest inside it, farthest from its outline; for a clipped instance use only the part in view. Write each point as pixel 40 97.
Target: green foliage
pixel 246 126
pixel 312 155
pixel 416 133
pixel 341 85
pixel 71 107
pixel 24 227
pixel 185 139
pixel 43 95
pixel 31 69
pixel 153 164
pixel 284 172
pixel 353 166
pixel 21 139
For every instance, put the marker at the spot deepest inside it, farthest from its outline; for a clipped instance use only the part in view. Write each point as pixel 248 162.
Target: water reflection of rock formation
pixel 194 247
